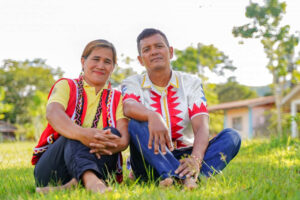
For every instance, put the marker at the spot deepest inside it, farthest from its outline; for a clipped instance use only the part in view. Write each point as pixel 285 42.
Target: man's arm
pixel 200 126
pixel 158 131
pixel 190 166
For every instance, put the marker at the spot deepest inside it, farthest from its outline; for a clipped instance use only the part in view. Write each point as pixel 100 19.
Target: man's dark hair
pixel 147 33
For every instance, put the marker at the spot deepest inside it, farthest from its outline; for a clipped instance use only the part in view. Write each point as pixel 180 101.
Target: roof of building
pixel 243 103
pixel 6 127
pixel 293 92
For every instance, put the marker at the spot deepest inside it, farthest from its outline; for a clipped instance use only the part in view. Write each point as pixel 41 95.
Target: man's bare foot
pixel 166 182
pixel 190 183
pixel 93 183
pixel 45 190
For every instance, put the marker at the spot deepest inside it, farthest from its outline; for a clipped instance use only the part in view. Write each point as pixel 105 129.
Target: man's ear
pixel 171 51
pixel 141 60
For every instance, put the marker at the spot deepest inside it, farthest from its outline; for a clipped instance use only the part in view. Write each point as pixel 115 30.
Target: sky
pixel 58 30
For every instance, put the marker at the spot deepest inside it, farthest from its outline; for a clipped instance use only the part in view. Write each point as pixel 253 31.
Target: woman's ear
pixel 82 62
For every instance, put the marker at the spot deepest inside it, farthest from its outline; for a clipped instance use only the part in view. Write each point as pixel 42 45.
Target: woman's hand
pixel 104 142
pixel 120 143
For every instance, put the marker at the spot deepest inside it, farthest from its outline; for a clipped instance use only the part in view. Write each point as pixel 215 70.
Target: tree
pixel 233 91
pixel 4 107
pixel 194 60
pixel 119 74
pixel 279 45
pixel 21 80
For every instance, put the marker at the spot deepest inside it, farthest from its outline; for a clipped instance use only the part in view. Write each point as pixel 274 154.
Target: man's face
pixel 155 54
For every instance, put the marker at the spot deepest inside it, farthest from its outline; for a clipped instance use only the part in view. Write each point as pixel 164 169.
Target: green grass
pixel 263 169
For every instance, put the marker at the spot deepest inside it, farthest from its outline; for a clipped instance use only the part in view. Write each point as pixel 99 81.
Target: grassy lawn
pixel 263 169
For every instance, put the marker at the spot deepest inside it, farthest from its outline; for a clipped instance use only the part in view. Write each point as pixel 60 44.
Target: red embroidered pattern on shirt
pixel 196 110
pixel 156 98
pixel 173 113
pixel 131 96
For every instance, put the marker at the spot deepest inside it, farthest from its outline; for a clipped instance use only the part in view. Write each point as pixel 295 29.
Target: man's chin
pixel 158 67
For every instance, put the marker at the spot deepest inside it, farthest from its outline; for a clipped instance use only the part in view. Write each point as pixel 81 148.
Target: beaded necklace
pixel 79 106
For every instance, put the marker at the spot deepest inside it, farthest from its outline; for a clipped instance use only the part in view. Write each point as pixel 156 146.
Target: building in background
pixel 291 103
pixel 247 116
pixel 7 131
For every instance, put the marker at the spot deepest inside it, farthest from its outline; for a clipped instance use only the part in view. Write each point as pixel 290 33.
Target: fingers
pixel 103 145
pixel 150 140
pixel 184 172
pixel 181 167
pixel 187 168
pixel 162 145
pixel 169 143
pixel 156 145
pixel 106 136
pixel 100 152
pixel 98 155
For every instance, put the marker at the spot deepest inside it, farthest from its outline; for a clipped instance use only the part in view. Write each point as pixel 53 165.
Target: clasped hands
pixel 101 142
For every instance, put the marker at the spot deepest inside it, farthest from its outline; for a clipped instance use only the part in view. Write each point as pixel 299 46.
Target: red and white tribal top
pixel 182 99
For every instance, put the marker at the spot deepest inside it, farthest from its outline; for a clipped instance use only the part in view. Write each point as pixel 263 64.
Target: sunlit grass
pixel 263 169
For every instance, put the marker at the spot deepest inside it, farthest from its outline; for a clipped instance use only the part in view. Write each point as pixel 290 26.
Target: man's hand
pixel 189 167
pixel 158 132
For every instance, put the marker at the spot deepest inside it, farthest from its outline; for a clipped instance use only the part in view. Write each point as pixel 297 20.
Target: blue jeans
pixel 145 164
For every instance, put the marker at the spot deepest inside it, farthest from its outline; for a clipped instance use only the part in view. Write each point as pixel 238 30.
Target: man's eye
pixel 96 59
pixel 107 61
pixel 145 50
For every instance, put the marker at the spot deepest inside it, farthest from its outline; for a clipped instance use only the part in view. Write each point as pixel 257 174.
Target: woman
pixel 87 128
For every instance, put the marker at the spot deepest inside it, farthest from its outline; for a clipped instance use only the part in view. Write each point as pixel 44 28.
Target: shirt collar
pixel 91 89
pixel 146 82
pixel 86 85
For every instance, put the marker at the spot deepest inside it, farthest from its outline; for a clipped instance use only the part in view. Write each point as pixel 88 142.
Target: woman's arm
pixel 62 124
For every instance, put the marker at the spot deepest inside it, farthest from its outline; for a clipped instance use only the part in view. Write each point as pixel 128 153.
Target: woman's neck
pixel 97 87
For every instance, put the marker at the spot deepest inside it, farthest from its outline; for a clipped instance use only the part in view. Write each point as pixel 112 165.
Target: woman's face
pixel 98 66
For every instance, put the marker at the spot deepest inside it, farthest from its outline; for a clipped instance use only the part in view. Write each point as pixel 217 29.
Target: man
pixel 162 103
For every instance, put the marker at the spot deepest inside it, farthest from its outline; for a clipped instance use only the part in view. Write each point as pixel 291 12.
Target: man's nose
pixel 154 51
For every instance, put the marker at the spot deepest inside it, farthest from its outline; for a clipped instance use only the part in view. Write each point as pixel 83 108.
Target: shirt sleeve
pixel 131 89
pixel 197 103
pixel 119 112
pixel 60 94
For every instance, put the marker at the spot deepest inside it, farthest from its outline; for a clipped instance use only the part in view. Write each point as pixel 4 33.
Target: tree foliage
pixel 233 91
pixel 21 80
pixel 193 60
pixel 278 43
pixel 119 74
pixel 4 107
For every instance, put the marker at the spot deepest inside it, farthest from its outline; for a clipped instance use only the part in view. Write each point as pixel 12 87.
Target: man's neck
pixel 160 78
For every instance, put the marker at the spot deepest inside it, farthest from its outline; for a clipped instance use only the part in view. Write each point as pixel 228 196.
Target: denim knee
pixel 135 126
pixel 233 137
